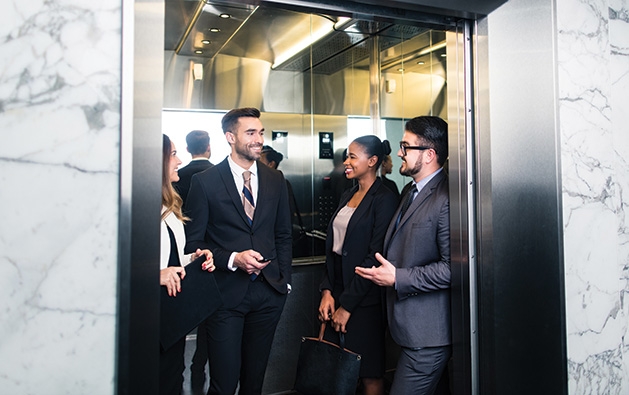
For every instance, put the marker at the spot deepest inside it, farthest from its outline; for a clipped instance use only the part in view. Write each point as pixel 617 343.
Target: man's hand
pixel 384 275
pixel 249 261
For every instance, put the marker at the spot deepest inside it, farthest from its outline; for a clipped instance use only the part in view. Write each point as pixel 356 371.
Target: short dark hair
pixel 231 118
pixel 272 155
pixel 434 132
pixel 197 141
pixel 373 146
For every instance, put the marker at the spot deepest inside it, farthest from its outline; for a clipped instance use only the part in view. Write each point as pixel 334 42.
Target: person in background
pixel 198 145
pixel 387 168
pixel 350 303
pixel 416 271
pixel 272 158
pixel 239 210
pixel 172 265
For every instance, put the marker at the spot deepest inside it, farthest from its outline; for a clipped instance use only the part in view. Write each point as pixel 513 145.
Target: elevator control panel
pixel 326 145
pixel 327 205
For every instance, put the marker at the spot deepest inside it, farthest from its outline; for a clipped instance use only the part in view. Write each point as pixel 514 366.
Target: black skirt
pixel 365 331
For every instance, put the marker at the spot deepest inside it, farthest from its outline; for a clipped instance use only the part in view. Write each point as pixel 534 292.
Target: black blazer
pixel 219 223
pixel 364 237
pixel 391 185
pixel 185 176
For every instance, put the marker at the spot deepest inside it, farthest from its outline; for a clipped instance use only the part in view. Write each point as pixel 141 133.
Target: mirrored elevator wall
pixel 357 77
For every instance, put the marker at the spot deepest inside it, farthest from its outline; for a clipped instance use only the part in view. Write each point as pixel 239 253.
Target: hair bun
pixel 386 147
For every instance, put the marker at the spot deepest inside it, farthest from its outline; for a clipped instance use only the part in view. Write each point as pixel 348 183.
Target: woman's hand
pixel 326 307
pixel 171 277
pixel 209 261
pixel 339 319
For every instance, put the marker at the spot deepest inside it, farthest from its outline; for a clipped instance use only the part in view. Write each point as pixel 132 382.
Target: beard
pixel 245 152
pixel 406 170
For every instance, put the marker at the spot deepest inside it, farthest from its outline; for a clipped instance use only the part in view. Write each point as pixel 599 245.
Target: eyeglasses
pixel 405 147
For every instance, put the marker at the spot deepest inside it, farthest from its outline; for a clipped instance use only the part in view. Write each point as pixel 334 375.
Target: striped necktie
pixel 247 203
pixel 247 196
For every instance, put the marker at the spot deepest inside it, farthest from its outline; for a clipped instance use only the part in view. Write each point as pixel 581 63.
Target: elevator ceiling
pixel 206 29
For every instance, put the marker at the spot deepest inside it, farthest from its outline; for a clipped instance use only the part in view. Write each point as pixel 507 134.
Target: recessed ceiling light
pixel 421 62
pixel 400 69
pixel 215 29
pixel 205 42
pixel 225 16
pixel 443 55
pixel 198 52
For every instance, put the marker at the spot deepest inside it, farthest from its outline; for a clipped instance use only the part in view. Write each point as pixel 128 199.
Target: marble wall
pixel 59 176
pixel 593 103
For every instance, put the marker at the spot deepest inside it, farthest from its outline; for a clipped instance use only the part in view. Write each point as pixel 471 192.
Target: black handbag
pixel 325 368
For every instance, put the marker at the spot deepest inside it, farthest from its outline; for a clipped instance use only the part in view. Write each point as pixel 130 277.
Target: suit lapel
pixel 228 179
pixel 392 225
pixel 263 189
pixel 344 200
pixel 390 230
pixel 426 191
pixel 363 207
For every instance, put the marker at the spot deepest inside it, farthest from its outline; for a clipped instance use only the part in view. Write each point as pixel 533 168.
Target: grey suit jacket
pixel 418 307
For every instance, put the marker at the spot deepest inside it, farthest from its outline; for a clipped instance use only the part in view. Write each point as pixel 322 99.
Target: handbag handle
pixel 341 335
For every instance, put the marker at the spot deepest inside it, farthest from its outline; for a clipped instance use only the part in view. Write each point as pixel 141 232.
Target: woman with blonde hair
pixel 172 265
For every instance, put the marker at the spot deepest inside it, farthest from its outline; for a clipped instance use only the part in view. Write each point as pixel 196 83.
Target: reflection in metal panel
pixel 239 58
pixel 382 71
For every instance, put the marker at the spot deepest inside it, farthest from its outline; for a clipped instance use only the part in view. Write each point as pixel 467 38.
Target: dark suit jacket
pixel 364 237
pixel 391 185
pixel 219 223
pixel 418 307
pixel 185 176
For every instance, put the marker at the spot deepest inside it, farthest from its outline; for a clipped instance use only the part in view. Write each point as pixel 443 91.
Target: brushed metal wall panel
pixel 521 291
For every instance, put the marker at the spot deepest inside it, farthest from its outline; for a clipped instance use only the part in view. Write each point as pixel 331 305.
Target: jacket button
pixel 344 253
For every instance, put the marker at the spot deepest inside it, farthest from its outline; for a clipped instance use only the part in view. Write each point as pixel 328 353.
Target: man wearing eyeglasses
pixel 416 271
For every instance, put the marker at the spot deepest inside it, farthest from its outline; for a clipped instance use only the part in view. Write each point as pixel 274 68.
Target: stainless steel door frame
pixel 137 337
pixel 141 106
pixel 461 167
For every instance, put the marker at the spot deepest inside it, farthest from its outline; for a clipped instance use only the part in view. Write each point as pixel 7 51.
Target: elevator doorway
pixel 367 73
pixel 310 71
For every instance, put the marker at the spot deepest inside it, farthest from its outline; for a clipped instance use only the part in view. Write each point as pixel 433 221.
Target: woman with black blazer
pixel 356 232
pixel 172 265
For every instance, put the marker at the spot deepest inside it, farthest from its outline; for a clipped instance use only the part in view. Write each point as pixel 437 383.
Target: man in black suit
pixel 239 210
pixel 416 271
pixel 198 145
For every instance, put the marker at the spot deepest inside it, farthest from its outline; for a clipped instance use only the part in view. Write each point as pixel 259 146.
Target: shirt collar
pixel 422 183
pixel 239 170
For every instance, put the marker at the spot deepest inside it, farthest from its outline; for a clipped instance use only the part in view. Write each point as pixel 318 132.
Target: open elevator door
pixel 144 22
pixel 378 64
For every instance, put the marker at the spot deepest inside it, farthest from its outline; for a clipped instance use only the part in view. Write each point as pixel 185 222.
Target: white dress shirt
pixel 240 183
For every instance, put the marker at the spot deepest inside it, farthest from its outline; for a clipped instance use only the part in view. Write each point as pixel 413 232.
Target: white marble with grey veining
pixel 593 94
pixel 59 171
